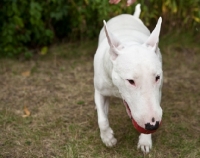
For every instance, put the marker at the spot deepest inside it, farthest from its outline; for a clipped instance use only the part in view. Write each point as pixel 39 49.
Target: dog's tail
pixel 137 11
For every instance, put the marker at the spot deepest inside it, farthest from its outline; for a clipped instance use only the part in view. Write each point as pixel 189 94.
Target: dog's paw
pixel 145 143
pixel 108 138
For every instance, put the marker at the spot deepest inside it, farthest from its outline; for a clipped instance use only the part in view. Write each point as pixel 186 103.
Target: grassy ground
pixel 58 91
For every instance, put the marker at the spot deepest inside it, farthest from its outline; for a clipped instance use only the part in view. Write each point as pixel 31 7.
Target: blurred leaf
pixel 86 2
pixel 174 7
pixel 26 73
pixel 18 21
pixel 26 112
pixel 197 19
pixel 164 9
pixel 44 50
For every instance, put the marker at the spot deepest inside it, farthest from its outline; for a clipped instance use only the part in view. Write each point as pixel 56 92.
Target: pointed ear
pixel 114 43
pixel 152 41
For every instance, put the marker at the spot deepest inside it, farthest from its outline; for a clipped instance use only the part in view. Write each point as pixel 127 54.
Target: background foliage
pixel 28 27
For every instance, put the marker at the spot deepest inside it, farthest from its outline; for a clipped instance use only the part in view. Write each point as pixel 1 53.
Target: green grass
pixel 63 121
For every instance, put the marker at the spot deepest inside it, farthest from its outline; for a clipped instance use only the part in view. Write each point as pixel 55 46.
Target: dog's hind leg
pixel 106 132
pixel 137 11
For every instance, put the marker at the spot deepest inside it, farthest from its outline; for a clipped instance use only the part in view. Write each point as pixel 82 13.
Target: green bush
pixel 176 14
pixel 27 26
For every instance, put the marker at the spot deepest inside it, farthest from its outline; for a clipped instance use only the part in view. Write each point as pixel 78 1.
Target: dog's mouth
pixel 137 127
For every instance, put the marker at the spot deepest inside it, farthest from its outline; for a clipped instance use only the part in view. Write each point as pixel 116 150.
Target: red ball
pixel 140 129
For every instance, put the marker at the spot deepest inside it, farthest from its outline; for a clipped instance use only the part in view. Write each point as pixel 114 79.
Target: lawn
pixel 57 90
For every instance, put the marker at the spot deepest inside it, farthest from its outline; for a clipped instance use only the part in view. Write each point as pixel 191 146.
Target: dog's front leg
pixel 106 133
pixel 145 142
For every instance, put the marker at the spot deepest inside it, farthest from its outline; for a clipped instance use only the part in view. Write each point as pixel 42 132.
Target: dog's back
pixel 124 26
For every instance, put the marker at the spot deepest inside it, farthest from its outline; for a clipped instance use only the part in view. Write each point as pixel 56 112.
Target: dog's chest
pixel 111 91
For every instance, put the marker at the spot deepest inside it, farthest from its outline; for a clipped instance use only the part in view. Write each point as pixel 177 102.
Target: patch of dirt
pixel 66 85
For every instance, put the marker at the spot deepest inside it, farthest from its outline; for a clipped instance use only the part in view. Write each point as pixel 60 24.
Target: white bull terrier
pixel 128 65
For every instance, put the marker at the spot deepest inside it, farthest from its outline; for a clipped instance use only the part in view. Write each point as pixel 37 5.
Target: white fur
pixel 127 51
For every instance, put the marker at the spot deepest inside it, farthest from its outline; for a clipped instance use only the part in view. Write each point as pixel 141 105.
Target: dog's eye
pixel 131 82
pixel 157 78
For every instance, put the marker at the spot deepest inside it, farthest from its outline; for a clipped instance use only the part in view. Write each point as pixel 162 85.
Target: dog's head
pixel 137 73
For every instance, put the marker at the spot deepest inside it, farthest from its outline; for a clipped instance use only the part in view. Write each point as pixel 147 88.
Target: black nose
pixel 150 127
